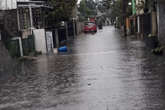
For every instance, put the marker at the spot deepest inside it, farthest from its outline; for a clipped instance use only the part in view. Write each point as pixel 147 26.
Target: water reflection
pixel 101 72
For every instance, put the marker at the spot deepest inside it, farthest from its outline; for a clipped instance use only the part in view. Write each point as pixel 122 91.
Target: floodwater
pixel 102 71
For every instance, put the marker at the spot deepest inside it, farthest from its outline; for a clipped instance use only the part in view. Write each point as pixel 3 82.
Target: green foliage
pixel 87 8
pixel 62 9
pixel 108 3
pixel 114 9
pixel 114 6
pixel 158 50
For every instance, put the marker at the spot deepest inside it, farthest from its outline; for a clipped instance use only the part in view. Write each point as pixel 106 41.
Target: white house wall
pixel 40 40
pixel 9 4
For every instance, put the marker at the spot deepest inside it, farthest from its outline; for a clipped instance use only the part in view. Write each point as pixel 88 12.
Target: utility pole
pixel 154 19
pixel 124 6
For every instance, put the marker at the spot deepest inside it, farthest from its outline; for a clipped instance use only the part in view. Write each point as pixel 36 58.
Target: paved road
pixel 102 71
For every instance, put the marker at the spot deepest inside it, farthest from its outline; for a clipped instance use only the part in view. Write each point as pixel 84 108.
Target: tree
pixel 119 9
pixel 87 8
pixel 113 8
pixel 62 9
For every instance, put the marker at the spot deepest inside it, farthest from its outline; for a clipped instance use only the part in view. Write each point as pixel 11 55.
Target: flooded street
pixel 102 71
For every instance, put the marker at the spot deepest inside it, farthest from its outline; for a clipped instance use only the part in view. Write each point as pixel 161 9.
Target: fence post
pixel 0 36
pixel 74 29
pixel 66 26
pixel 57 38
pixel 18 19
pixel 20 45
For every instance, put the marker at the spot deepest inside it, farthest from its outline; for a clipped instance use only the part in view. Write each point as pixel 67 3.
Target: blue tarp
pixel 63 49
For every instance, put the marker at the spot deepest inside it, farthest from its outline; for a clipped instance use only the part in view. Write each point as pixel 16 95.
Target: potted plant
pixel 152 41
pixel 158 50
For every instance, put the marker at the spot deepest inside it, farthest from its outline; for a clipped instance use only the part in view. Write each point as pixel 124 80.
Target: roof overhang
pixel 33 4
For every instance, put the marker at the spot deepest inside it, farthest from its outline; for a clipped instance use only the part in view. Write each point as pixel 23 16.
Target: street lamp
pixel 130 3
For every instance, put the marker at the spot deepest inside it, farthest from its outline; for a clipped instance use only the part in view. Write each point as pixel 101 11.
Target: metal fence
pixel 28 45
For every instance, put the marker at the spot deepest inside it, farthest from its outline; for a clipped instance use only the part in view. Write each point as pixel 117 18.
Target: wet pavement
pixel 102 71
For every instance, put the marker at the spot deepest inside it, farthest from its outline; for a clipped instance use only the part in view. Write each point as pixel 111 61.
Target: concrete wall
pixel 8 23
pixel 161 22
pixel 4 54
pixel 80 27
pixel 5 59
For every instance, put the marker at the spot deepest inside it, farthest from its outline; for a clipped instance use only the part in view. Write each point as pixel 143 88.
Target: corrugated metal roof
pixel 161 1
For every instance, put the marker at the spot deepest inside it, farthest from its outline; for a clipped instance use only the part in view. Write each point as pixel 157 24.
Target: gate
pixel 72 29
pixel 145 24
pixel 62 35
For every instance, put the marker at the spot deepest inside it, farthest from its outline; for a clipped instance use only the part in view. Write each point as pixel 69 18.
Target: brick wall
pixel 8 23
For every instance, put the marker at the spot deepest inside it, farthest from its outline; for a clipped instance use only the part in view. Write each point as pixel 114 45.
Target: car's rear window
pixel 89 23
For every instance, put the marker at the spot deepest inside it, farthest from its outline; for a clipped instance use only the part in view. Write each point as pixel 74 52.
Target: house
pixel 141 22
pixel 151 19
pixel 18 20
pixel 150 15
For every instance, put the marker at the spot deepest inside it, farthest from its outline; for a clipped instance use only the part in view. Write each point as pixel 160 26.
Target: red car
pixel 90 27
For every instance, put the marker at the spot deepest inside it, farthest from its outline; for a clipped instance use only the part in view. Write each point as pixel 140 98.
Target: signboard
pixel 133 7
